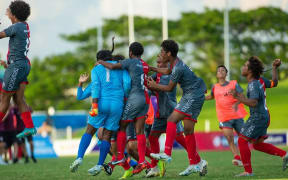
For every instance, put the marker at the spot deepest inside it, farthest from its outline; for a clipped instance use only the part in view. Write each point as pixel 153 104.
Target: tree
pixel 261 32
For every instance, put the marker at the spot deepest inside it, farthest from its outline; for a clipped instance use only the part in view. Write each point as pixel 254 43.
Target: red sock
pixel 2 115
pixel 141 144
pixel 147 153
pixel 193 155
pixel 113 159
pixel 155 148
pixel 121 143
pixel 245 154
pixel 269 149
pixel 149 165
pixel 237 157
pixel 181 140
pixel 26 118
pixel 170 137
pixel 125 165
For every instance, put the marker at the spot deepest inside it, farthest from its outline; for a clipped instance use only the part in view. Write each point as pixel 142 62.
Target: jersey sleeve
pixel 126 83
pixel 238 88
pixel 176 74
pixel 10 31
pixel 126 63
pixel 95 91
pixel 254 91
pixel 268 83
pixel 84 94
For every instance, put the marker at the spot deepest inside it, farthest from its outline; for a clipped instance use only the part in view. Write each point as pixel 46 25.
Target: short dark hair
pixel 223 67
pixel 256 66
pixel 136 48
pixel 170 46
pixel 104 55
pixel 20 9
pixel 118 57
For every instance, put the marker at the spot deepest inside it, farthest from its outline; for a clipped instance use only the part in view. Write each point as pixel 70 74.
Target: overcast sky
pixel 49 18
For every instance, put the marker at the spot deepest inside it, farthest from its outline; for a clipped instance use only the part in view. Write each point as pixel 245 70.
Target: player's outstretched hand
pixel 3 63
pixel 276 63
pixel 83 78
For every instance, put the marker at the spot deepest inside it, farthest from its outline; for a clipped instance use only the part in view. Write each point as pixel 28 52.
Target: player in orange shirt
pixel 230 112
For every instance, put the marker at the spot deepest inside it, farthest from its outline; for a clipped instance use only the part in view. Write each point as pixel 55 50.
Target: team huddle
pixel 122 111
pixel 122 93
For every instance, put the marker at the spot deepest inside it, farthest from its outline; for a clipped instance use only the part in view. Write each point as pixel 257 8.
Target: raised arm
pixel 84 94
pixel 276 64
pixel 87 92
pixel 110 65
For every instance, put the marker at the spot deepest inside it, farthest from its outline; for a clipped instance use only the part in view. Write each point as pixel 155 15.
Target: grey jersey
pixel 256 91
pixel 138 70
pixel 189 82
pixel 166 101
pixel 19 41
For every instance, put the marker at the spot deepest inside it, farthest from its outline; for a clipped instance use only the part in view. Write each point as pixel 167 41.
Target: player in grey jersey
pixel 187 109
pixel 255 128
pixel 18 64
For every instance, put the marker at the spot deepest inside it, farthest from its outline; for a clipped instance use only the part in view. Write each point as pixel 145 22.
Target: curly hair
pixel 170 46
pixel 104 55
pixel 20 9
pixel 256 66
pixel 136 48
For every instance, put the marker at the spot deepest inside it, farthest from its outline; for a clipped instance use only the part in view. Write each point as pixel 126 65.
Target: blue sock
pixel 84 143
pixel 104 150
pixel 133 163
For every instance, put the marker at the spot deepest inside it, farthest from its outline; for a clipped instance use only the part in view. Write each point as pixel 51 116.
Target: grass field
pixel 220 167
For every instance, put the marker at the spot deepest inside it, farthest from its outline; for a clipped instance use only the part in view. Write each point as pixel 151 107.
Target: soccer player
pixel 8 133
pixel 107 92
pixel 165 104
pixel 93 123
pixel 188 109
pixel 255 128
pixel 18 67
pixel 230 112
pixel 136 107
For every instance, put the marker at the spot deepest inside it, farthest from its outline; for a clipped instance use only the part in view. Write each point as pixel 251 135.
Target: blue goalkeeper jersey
pixel 109 84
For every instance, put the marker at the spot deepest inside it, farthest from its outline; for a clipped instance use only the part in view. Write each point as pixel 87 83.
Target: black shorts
pixel 9 137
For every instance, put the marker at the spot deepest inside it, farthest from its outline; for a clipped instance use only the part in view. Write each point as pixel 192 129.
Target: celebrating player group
pixel 122 91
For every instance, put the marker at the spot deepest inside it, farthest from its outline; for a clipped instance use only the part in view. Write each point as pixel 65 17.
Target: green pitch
pixel 220 167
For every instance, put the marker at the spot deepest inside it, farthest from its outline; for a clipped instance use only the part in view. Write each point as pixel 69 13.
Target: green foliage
pixel 261 32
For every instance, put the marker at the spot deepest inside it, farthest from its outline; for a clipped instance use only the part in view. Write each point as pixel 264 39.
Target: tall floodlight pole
pixel 131 22
pixel 226 39
pixel 99 29
pixel 164 20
